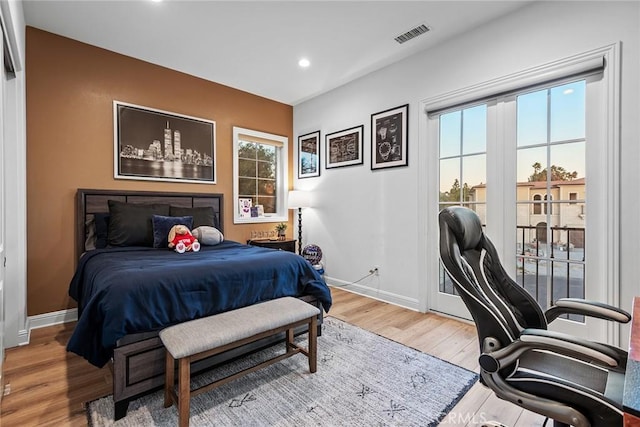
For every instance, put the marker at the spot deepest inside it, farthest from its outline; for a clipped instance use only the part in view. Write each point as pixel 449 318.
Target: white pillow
pixel 207 235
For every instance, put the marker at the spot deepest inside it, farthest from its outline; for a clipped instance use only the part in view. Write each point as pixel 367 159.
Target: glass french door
pixel 462 179
pixel 531 165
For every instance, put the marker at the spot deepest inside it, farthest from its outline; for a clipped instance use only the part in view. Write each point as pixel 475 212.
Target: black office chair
pixel 565 378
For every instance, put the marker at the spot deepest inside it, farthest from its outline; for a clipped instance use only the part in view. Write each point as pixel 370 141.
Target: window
pixel 573 197
pixel 259 176
pixel 537 207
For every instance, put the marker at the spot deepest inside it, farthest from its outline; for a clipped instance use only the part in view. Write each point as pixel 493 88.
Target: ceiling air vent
pixel 412 33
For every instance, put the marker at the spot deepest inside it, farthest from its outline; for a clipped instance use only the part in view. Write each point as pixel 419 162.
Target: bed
pixel 127 293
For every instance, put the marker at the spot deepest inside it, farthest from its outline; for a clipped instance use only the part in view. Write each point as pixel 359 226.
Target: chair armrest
pixel 586 308
pixel 556 342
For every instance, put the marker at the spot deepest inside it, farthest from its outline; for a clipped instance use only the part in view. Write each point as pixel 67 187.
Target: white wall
pixel 15 291
pixel 364 218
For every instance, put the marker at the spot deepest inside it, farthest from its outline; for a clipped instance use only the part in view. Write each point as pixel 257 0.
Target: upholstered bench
pixel 201 338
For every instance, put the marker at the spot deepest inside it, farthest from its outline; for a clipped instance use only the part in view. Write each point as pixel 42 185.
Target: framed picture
pixel 157 145
pixel 309 155
pixel 389 135
pixel 344 148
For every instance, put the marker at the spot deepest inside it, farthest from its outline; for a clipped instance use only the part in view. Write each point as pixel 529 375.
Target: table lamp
pixel 297 200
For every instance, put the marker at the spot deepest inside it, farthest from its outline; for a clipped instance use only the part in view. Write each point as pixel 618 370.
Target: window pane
pixel 450 134
pixel 532 118
pixel 266 170
pixel 568 111
pixel 247 150
pixel 474 178
pixel 568 162
pixel 246 168
pixel 474 130
pixel 446 285
pixel 266 152
pixel 450 180
pixel 266 187
pixel 532 275
pixel 569 237
pixel 247 187
pixel 269 204
pixel 531 173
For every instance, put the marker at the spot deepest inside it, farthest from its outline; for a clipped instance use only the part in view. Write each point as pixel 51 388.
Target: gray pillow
pixel 207 235
pixel 90 232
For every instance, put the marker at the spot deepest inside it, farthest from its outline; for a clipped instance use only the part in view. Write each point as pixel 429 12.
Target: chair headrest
pixel 465 225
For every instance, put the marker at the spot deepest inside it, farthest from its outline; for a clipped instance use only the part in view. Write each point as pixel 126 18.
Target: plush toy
pixel 182 240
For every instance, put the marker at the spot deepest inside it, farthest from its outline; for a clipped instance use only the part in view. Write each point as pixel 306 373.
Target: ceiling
pixel 255 45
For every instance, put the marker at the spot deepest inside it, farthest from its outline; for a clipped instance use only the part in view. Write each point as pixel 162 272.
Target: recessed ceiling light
pixel 304 63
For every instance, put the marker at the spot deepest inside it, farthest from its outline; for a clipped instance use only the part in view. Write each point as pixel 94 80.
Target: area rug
pixel 363 379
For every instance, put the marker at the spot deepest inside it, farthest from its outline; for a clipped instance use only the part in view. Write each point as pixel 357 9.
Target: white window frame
pixel 497 225
pixel 282 173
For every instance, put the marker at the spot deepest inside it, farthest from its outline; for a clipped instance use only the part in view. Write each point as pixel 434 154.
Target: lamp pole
pixel 297 200
pixel 299 230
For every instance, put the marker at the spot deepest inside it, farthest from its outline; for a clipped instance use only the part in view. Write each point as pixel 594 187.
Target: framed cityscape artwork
pixel 389 138
pixel 344 148
pixel 157 145
pixel 309 155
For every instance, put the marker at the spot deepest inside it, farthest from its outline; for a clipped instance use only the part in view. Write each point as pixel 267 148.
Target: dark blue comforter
pixel 122 291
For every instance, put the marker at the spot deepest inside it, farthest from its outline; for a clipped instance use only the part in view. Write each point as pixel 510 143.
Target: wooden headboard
pixel 89 202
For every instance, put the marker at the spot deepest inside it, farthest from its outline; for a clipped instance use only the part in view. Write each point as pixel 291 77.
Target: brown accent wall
pixel 70 91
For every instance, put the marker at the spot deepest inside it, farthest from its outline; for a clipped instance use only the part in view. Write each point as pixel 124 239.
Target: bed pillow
pixel 208 235
pixel 162 225
pixel 90 233
pixel 130 223
pixel 101 222
pixel 96 228
pixel 201 215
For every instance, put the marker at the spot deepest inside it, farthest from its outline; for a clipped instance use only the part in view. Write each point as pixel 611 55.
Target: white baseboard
pixel 24 335
pixel 44 320
pixel 385 296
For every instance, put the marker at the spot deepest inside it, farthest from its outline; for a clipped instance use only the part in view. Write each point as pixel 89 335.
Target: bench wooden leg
pixel 184 396
pixel 289 340
pixel 169 379
pixel 313 344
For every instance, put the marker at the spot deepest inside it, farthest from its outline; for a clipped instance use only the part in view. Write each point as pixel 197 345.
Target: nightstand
pixel 283 245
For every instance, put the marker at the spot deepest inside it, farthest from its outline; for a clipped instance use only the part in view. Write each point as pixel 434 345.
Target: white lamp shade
pixel 299 199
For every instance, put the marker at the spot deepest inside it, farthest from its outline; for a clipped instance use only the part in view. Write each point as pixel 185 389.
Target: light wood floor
pixel 50 386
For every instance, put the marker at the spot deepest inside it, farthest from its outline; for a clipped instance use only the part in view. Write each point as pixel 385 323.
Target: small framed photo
pixel 344 148
pixel 244 207
pixel 389 138
pixel 309 155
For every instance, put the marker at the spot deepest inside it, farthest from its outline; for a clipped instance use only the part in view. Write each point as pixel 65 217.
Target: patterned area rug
pixel 363 379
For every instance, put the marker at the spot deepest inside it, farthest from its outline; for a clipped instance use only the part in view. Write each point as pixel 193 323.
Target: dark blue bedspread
pixel 122 291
